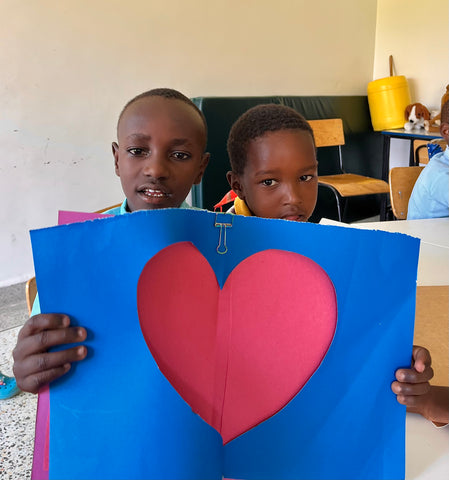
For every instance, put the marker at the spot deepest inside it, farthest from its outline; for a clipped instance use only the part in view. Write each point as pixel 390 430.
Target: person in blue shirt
pixel 430 195
pixel 159 155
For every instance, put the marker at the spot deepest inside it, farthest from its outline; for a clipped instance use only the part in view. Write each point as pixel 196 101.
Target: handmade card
pixel 230 346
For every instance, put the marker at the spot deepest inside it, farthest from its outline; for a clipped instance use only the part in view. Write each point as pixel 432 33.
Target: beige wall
pixel 68 67
pixel 416 33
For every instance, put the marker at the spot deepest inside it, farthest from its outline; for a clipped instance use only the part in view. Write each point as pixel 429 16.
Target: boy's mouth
pixel 153 193
pixel 295 218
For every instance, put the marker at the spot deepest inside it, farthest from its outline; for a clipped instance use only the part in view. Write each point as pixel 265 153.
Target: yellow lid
pixel 387 99
pixel 386 83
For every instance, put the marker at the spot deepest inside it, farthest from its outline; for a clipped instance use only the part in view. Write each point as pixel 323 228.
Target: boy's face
pixel 159 155
pixel 280 177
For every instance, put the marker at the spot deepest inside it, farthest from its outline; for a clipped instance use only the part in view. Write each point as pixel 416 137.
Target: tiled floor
pixel 17 414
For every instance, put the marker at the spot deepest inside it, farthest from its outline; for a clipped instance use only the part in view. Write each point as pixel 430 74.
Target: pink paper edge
pixel 65 217
pixel 41 446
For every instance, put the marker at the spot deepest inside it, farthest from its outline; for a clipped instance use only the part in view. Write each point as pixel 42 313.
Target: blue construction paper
pixel 116 416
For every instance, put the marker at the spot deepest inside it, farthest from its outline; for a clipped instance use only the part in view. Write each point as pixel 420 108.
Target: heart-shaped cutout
pixel 239 354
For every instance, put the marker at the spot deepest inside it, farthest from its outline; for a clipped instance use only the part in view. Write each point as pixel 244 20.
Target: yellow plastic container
pixel 387 99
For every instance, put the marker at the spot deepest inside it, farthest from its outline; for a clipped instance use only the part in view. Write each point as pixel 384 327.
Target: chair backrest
pixel 30 293
pixel 402 180
pixel 328 132
pixel 421 152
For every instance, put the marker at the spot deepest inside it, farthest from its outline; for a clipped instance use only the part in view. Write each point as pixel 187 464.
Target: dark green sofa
pixel 362 153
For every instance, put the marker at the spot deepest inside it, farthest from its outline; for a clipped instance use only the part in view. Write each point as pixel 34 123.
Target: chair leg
pixel 339 201
pixel 383 208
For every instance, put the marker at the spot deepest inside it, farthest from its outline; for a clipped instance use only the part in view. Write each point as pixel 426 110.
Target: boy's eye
pixel 306 178
pixel 268 182
pixel 181 155
pixel 137 152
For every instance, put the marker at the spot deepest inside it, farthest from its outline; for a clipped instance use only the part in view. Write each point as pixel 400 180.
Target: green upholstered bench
pixel 362 153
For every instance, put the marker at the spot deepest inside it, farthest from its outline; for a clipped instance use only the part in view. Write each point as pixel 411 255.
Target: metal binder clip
pixel 223 221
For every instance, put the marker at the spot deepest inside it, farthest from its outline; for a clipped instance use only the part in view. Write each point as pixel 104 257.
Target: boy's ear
pixel 444 131
pixel 115 153
pixel 234 183
pixel 204 163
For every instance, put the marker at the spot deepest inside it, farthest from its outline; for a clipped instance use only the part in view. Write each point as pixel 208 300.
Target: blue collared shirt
pixel 430 195
pixel 124 208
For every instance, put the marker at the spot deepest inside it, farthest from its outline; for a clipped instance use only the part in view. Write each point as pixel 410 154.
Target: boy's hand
pixel 412 385
pixel 34 367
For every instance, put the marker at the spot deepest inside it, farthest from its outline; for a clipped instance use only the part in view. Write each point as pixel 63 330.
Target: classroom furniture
pixel 329 133
pixel 402 181
pixel 30 293
pixel 108 208
pixel 421 154
pixel 362 151
pixel 402 134
pixel 426 449
pixel 432 328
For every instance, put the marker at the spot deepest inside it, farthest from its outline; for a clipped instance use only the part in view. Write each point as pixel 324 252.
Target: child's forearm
pixel 434 405
pixel 439 406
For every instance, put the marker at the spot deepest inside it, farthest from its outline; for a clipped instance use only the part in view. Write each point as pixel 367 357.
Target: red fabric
pixel 228 198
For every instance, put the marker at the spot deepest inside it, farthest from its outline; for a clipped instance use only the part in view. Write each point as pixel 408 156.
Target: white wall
pixel 416 33
pixel 68 67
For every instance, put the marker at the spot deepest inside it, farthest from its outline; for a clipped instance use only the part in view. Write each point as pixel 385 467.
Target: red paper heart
pixel 236 355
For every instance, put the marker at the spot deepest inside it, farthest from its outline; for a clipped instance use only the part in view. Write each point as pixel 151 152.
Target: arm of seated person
pixel 434 405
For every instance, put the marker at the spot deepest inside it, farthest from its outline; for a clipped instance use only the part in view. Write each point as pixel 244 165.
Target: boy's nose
pixel 293 195
pixel 155 166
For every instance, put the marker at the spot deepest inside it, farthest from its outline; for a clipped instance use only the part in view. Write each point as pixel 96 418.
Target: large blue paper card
pixel 228 346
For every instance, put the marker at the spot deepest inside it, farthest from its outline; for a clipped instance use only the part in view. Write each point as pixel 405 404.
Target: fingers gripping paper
pixel 190 349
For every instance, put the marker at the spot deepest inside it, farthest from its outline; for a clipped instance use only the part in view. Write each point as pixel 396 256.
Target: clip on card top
pixel 223 221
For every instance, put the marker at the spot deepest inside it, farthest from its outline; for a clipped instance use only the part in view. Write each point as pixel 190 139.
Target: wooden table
pixel 426 450
pixel 401 133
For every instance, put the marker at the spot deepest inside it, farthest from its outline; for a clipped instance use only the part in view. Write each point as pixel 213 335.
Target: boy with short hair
pixel 160 154
pixel 274 168
pixel 275 175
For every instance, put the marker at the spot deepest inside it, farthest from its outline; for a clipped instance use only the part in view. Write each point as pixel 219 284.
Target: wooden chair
pixel 402 180
pixel 108 208
pixel 30 293
pixel 329 133
pixel 420 149
pixel 30 287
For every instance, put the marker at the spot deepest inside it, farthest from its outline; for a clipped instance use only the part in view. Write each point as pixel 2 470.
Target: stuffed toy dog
pixel 417 117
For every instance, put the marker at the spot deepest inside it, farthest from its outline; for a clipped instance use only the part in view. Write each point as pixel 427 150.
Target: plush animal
pixel 417 117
